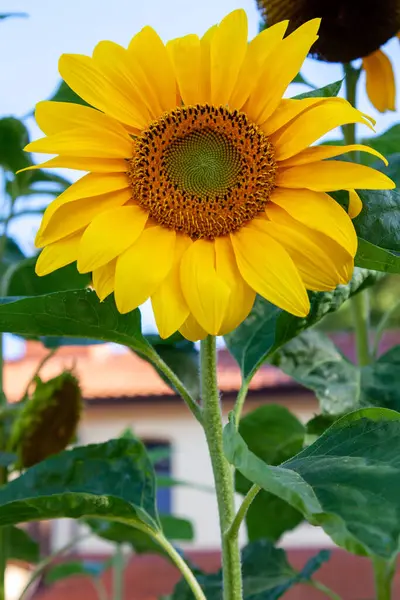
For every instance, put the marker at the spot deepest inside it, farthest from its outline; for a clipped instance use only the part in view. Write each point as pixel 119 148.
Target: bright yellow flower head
pixel 202 188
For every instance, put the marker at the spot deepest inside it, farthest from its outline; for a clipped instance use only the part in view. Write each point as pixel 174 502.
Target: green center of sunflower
pixel 202 170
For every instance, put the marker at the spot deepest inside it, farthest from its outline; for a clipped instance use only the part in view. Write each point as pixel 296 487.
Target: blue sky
pixel 30 49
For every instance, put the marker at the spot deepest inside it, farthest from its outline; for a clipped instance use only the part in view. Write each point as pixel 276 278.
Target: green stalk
pixel 223 473
pixel 118 574
pixel 359 302
pixel 384 571
pixel 233 530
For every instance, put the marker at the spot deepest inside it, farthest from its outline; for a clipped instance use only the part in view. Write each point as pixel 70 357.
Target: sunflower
pixel 350 29
pixel 201 189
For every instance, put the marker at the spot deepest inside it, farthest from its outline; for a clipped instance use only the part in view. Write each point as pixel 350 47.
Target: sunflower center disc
pixel 202 170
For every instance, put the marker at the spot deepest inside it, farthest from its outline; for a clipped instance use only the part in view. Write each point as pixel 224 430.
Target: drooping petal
pixel 355 204
pixel 322 262
pixel 103 279
pixel 185 54
pixel 93 184
pixel 110 234
pixel 169 305
pixel 320 212
pixel 93 165
pixel 84 76
pixel 54 117
pixel 257 52
pixel 242 296
pixel 267 267
pixel 316 153
pixel 74 215
pixel 281 66
pixel 205 64
pixel 84 142
pixel 58 255
pixel 157 73
pixel 381 87
pixel 143 267
pixel 206 294
pixel 227 51
pixel 192 331
pixel 312 124
pixel 327 176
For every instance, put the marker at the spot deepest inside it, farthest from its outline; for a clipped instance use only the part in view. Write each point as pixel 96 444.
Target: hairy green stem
pixel 384 571
pixel 118 573
pixel 100 588
pixel 223 473
pixel 359 302
pixel 190 402
pixel 240 400
pixel 233 530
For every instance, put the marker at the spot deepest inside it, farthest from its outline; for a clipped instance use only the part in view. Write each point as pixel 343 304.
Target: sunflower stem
pixel 223 473
pixel 359 302
pixel 384 571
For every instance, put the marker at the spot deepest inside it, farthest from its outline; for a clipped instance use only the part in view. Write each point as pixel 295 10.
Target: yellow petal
pixel 322 263
pixel 148 50
pixel 94 165
pixel 316 153
pixel 355 204
pixel 288 109
pixel 257 52
pixel 227 51
pixel 320 212
pixel 312 124
pixel 54 117
pixel 83 75
pixel 74 215
pixel 110 234
pixel 242 296
pixel 205 64
pixel 143 267
pixel 169 305
pixel 114 63
pixel 89 185
pixel 381 87
pixel 103 280
pixel 267 268
pixel 58 255
pixel 206 294
pixel 279 70
pixel 333 175
pixel 84 142
pixel 192 331
pixel 185 54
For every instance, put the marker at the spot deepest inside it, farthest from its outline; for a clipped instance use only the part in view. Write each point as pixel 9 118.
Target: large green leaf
pixel 386 143
pixel 325 92
pixel 13 138
pixel 114 481
pixel 379 220
pixel 267 575
pixel 21 546
pixel 274 435
pixel 348 481
pixel 76 313
pixel 370 256
pixel 313 360
pixel 75 568
pixel 267 327
pixel 23 280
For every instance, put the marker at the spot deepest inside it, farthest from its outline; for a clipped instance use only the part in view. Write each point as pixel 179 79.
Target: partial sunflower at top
pixel 350 29
pixel 202 188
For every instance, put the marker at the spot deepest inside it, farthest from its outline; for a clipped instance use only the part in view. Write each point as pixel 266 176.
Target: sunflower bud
pixel 350 29
pixel 48 421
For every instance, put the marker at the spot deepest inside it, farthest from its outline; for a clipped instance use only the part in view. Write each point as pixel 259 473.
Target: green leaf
pixel 386 143
pixel 370 256
pixel 113 481
pixel 379 220
pixel 23 280
pixel 76 313
pixel 73 568
pixel 64 93
pixel 380 381
pixel 327 91
pixel 348 481
pixel 267 575
pixel 176 528
pixel 14 14
pixel 21 546
pixel 300 79
pixel 274 435
pixel 13 138
pixel 313 360
pixel 268 327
